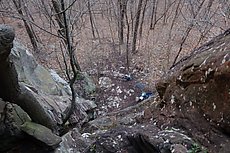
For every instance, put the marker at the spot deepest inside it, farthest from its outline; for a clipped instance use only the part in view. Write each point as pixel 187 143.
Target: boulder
pixel 83 112
pixel 51 94
pixel 61 82
pixel 195 92
pixel 34 74
pixel 11 118
pixel 73 142
pixel 89 85
pixel 41 133
pixel 85 86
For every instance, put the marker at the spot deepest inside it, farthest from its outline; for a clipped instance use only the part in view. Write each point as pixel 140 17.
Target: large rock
pixel 196 92
pixel 133 130
pixel 34 74
pixel 83 112
pixel 7 35
pixel 140 139
pixel 73 142
pixel 84 85
pixel 61 82
pixel 53 92
pixel 41 133
pixel 11 118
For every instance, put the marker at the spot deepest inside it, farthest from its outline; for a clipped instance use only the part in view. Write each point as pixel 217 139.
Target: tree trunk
pixel 127 38
pixel 153 16
pixel 165 12
pixel 11 90
pixel 59 18
pixel 142 19
pixel 91 19
pixel 136 26
pixel 187 32
pixel 122 9
pixel 29 29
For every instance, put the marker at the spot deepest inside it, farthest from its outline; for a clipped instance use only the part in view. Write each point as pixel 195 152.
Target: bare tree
pixel 29 28
pixel 127 38
pixel 165 14
pixel 153 15
pixel 64 23
pixel 125 22
pixel 188 30
pixel 91 19
pixel 122 8
pixel 137 20
pixel 143 18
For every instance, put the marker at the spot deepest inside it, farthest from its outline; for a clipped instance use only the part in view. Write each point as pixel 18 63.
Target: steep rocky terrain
pixel 189 112
pixel 48 93
pixel 196 93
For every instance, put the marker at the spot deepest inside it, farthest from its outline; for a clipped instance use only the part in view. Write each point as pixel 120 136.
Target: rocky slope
pixel 190 113
pixel 47 89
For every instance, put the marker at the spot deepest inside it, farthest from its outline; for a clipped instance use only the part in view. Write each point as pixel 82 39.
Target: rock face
pixel 84 111
pixel 52 91
pixel 134 130
pixel 52 95
pixel 140 139
pixel 32 73
pixel 49 92
pixel 196 91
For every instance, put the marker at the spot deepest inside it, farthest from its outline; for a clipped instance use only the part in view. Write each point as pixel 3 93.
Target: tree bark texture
pixel 122 9
pixel 11 90
pixel 91 19
pixel 136 26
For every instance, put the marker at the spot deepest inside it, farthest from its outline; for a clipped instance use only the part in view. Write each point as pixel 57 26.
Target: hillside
pixel 114 76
